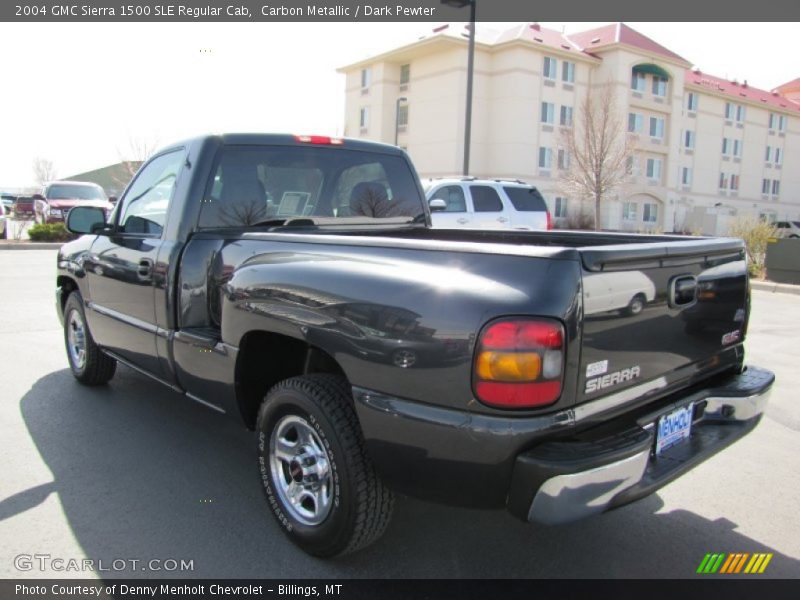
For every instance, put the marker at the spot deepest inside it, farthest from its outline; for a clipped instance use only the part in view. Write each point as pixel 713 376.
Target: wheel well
pixel 67 286
pixel 265 359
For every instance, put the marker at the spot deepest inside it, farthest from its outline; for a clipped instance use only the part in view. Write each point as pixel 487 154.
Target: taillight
pixel 519 363
pixel 549 220
pixel 319 139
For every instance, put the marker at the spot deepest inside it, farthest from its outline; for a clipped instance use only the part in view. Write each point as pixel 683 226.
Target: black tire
pixel 360 506
pixel 636 305
pixel 96 368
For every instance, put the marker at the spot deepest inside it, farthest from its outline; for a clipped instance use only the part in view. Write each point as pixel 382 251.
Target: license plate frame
pixel 673 428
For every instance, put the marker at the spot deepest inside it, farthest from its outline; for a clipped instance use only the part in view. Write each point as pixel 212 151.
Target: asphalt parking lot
pixel 134 471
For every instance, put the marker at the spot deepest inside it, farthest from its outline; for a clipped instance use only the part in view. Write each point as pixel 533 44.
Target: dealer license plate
pixel 673 428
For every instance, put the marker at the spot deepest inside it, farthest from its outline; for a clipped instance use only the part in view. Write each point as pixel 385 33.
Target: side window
pixel 144 207
pixel 525 199
pixel 453 195
pixel 485 199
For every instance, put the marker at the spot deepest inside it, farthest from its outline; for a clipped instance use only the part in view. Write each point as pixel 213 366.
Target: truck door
pixel 488 209
pixel 120 266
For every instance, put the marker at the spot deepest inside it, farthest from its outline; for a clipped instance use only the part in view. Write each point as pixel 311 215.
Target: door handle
pixel 145 270
pixel 463 220
pixel 502 219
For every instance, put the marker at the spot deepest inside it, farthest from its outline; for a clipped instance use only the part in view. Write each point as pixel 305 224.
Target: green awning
pixel 651 69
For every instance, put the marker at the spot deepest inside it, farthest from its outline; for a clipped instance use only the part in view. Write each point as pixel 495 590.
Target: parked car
pixel 8 202
pixel 4 222
pixel 57 198
pixel 371 353
pixel 788 229
pixel 470 203
pixel 24 207
pixel 629 291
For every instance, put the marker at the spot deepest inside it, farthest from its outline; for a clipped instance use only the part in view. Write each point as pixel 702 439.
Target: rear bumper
pixel 562 481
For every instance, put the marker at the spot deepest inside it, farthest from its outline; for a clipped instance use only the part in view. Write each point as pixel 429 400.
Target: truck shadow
pixel 143 473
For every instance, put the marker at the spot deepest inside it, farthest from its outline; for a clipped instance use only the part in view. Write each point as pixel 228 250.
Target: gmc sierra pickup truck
pixel 295 283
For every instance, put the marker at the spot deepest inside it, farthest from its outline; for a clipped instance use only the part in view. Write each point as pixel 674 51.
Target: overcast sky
pixel 79 93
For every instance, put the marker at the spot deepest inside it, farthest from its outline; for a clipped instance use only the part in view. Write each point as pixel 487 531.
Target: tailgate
pixel 661 316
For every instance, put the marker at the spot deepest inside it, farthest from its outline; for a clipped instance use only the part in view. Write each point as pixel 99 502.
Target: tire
pixel 340 503
pixel 636 305
pixel 86 361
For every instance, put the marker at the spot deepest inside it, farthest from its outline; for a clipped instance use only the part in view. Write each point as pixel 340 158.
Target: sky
pixel 83 94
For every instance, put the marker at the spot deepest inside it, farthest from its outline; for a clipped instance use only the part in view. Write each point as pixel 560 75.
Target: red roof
pixel 740 91
pixel 533 32
pixel 619 33
pixel 789 86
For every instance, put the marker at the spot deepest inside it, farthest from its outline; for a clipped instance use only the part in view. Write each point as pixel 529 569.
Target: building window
pixel 768 156
pixel 737 148
pixel 654 169
pixel 363 119
pixel 659 85
pixel 726 146
pixel 778 156
pixel 773 121
pixel 402 115
pixel 686 176
pixel 366 78
pixel 635 122
pixel 723 181
pixel 550 67
pixel 657 127
pixel 566 116
pixel 765 186
pixel 782 120
pixel 734 182
pixel 560 208
pixel 730 111
pixel 637 81
pixel 629 211
pixel 776 187
pixel 688 139
pixel 548 112
pixel 739 113
pixel 631 166
pixel 650 212
pixel 691 102
pixel 563 159
pixel 568 71
pixel 545 158
pixel 405 74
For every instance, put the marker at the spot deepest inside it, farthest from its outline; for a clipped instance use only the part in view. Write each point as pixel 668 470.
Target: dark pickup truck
pixel 295 283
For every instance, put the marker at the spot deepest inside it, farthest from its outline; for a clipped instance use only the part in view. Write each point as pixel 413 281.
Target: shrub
pixel 50 232
pixel 756 234
pixel 580 219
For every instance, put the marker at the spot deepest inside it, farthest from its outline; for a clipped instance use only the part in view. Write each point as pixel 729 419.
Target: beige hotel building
pixel 707 149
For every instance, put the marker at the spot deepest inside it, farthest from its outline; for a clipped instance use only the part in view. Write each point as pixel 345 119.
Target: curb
pixel 31 245
pixel 770 286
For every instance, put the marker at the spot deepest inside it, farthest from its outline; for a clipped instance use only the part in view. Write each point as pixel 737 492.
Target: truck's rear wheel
pixel 88 363
pixel 319 481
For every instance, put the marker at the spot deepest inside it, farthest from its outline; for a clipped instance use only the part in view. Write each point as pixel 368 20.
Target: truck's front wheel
pixel 88 363
pixel 319 481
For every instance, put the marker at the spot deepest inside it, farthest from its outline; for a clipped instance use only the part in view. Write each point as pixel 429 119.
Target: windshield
pixel 74 192
pixel 252 184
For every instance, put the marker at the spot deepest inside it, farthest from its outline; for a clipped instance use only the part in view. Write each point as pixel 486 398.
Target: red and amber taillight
pixel 519 363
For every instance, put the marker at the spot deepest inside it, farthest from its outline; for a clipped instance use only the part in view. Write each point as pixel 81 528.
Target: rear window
pixel 526 199
pixel 252 184
pixel 74 192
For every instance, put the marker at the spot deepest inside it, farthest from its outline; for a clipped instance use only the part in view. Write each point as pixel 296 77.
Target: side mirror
pixel 86 219
pixel 437 204
pixel 113 199
pixel 38 197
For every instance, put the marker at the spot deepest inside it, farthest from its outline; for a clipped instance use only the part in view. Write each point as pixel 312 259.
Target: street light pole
pixel 470 73
pixel 397 118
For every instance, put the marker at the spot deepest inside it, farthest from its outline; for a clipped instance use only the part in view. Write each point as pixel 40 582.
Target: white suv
pixel 470 203
pixel 788 229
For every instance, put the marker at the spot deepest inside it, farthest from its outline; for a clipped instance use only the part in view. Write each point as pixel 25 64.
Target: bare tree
pixel 599 149
pixel 43 170
pixel 137 152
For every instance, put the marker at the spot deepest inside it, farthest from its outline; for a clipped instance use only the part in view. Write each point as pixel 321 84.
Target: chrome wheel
pixel 76 339
pixel 300 470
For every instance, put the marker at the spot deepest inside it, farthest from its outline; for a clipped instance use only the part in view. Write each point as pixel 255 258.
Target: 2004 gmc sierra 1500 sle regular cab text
pixel 295 283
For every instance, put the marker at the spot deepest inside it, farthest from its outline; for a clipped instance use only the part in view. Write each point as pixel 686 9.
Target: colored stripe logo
pixel 737 562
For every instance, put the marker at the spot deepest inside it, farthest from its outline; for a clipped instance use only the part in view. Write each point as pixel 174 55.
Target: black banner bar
pixel 392 10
